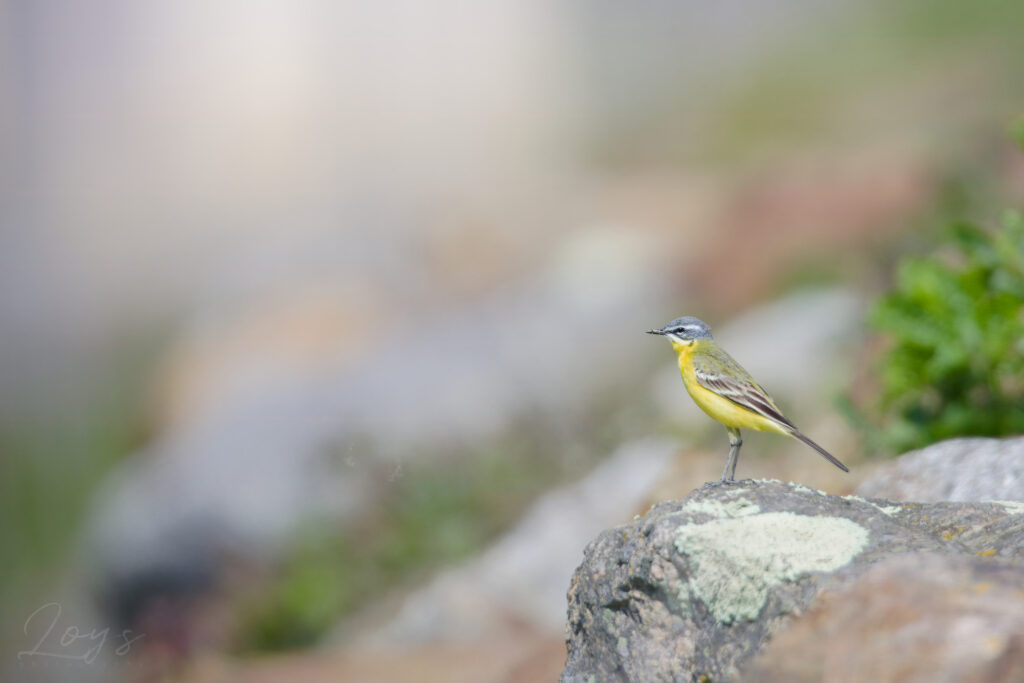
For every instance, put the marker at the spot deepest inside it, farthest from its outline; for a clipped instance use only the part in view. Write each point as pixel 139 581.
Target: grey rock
pixel 696 587
pixel 911 618
pixel 282 446
pixel 958 469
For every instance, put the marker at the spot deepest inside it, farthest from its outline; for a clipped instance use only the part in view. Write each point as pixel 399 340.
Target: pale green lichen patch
pixel 683 591
pixel 718 509
pixel 1014 507
pixel 734 562
pixel 888 510
pixel 682 595
pixel 800 488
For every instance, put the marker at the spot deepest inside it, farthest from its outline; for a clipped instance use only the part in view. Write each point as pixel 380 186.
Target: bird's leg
pixel 734 454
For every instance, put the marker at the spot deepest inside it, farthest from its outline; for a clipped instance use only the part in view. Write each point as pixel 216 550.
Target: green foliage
pixel 430 515
pixel 956 322
pixel 437 509
pixel 1017 130
pixel 54 452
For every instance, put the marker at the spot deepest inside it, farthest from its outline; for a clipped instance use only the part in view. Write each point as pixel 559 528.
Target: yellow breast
pixel 721 409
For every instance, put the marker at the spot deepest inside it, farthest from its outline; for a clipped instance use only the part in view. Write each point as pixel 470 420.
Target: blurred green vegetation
pixel 53 459
pixel 1017 131
pixel 955 320
pixel 430 515
pixel 861 69
pixel 434 511
pixel 813 90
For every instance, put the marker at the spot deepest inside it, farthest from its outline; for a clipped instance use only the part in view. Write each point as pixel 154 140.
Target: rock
pixel 696 587
pixel 972 469
pixel 921 618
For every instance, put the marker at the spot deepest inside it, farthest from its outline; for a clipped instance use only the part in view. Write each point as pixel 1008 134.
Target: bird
pixel 726 392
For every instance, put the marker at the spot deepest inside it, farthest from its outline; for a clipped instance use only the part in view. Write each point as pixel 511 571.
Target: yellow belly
pixel 721 409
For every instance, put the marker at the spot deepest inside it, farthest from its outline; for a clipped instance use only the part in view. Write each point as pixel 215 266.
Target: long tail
pixel 828 456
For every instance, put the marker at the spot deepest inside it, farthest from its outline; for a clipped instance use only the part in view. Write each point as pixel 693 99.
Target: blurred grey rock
pixel 521 577
pixel 909 619
pixel 697 586
pixel 289 439
pixel 971 469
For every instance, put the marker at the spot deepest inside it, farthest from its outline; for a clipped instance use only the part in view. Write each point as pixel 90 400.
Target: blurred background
pixel 322 323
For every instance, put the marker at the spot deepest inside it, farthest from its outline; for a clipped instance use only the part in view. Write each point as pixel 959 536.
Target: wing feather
pixel 717 371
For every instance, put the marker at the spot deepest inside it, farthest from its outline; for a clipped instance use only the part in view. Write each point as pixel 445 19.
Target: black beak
pixel 655 332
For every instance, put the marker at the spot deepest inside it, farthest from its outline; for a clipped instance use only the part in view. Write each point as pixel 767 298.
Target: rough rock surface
pixel 696 587
pixel 928 619
pixel 957 469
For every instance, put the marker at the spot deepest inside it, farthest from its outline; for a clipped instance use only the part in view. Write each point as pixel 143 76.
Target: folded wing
pixel 717 371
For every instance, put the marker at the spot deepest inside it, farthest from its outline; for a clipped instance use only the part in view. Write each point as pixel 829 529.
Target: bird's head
pixel 684 331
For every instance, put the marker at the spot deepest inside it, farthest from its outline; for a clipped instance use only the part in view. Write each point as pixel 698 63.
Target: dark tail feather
pixel 828 456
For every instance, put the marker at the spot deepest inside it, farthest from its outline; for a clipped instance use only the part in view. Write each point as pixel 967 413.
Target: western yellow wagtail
pixel 725 391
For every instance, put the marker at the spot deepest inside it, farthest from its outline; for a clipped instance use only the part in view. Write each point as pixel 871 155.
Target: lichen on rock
pixel 734 563
pixel 737 507
pixel 1014 507
pixel 696 587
